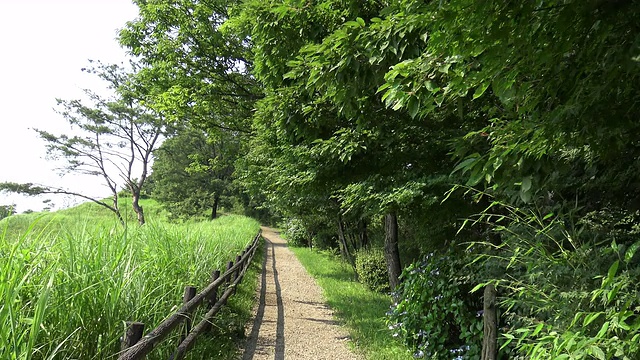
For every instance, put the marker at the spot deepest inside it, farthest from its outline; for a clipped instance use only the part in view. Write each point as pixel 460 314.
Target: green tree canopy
pixel 193 172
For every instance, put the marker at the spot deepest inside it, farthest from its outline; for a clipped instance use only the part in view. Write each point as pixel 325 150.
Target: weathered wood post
pixel 132 334
pixel 490 314
pixel 244 265
pixel 230 277
pixel 189 293
pixel 213 296
pixel 237 273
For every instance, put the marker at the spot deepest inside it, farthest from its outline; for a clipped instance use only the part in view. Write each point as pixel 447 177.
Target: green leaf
pixel 445 68
pixel 631 251
pixel 591 318
pixel 603 330
pixel 537 330
pixel 465 165
pixel 383 87
pixel 413 106
pixel 526 184
pixel 352 24
pixel 475 178
pixel 477 287
pixel 597 352
pixel 612 294
pixel 525 196
pixel 612 273
pixel 480 90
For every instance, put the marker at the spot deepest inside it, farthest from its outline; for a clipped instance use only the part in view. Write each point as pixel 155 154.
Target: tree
pixel 7 210
pixel 555 82
pixel 194 70
pixel 192 172
pixel 113 139
pixel 325 126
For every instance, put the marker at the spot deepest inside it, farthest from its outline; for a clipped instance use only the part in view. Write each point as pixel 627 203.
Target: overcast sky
pixel 43 46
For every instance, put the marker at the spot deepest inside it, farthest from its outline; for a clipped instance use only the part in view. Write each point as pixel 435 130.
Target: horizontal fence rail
pixel 136 346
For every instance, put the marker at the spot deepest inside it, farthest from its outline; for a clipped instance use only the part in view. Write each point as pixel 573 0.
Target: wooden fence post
pixel 132 334
pixel 230 278
pixel 238 270
pixel 189 293
pixel 490 314
pixel 134 330
pixel 244 264
pixel 213 297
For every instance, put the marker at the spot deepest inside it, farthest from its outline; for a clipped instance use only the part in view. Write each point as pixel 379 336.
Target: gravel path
pixel 292 320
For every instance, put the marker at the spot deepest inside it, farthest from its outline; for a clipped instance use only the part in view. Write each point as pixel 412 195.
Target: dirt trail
pixel 292 320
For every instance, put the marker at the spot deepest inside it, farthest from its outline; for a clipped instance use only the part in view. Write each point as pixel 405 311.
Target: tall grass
pixel 69 280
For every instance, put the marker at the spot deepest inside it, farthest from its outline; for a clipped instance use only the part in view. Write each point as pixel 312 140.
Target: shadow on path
pixel 252 343
pixel 280 324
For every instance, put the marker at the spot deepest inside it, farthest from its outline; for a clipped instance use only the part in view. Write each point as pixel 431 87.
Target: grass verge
pixel 362 310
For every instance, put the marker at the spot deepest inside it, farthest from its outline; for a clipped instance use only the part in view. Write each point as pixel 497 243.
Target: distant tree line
pixel 7 210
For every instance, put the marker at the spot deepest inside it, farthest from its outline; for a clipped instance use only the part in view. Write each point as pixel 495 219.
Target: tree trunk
pixel 214 207
pixel 490 337
pixel 364 238
pixel 137 208
pixel 116 209
pixel 344 248
pixel 391 252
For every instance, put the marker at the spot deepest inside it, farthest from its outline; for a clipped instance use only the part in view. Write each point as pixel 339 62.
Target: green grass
pixel 69 279
pixel 362 310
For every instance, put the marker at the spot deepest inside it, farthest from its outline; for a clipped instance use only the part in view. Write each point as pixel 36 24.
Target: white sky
pixel 43 46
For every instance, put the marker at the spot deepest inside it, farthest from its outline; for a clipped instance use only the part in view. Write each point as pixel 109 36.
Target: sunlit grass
pixel 69 279
pixel 362 310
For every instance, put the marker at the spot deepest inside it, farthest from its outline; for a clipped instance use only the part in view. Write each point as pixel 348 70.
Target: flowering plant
pixel 434 314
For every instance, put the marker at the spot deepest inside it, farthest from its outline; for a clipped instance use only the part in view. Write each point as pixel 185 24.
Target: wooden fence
pixel 214 296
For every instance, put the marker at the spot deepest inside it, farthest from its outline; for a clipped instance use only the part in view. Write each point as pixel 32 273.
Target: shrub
pixel 604 324
pixel 578 304
pixel 434 314
pixel 566 291
pixel 372 269
pixel 296 233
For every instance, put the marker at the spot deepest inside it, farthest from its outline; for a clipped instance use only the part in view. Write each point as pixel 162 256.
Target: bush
pixel 434 314
pixel 566 291
pixel 371 268
pixel 570 304
pixel 296 233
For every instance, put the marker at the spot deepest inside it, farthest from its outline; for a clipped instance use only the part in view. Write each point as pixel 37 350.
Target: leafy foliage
pixel 435 315
pixel 564 295
pixel 365 109
pixel 194 70
pixel 193 172
pixel 296 233
pixel 7 210
pixel 371 269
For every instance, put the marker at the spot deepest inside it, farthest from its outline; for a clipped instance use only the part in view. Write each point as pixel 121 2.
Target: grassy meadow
pixel 69 279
